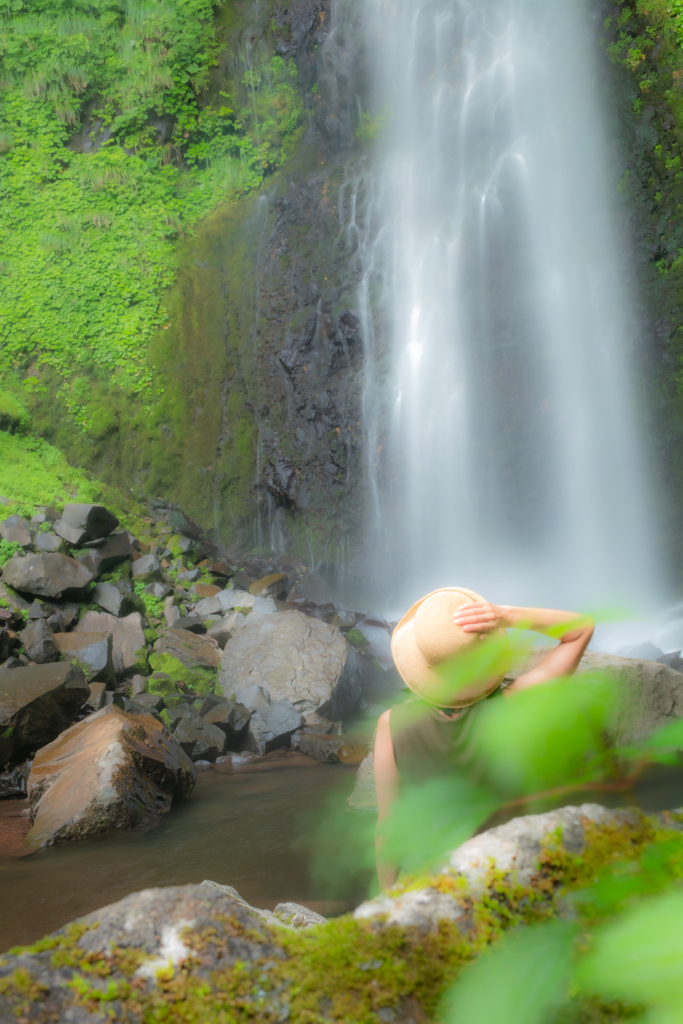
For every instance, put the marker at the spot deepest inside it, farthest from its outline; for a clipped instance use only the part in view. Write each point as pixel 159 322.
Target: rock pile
pixel 100 623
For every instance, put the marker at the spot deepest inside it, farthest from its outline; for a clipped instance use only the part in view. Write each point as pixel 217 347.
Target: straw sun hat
pixel 428 635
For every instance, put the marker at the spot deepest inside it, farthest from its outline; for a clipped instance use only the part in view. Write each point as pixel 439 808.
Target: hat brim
pixel 422 678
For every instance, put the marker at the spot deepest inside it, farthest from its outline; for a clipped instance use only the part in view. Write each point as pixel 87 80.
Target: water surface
pixel 252 829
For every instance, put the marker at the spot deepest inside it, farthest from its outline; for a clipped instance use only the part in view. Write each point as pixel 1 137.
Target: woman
pixel 433 736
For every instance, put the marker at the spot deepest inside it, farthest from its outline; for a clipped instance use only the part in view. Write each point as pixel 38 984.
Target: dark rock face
pixel 272 727
pixel 15 530
pixel 230 717
pixel 92 652
pixel 36 703
pixel 82 523
pixel 143 923
pixel 13 782
pixel 47 575
pixel 112 598
pixel 107 556
pixel 39 642
pixel 199 739
pixel 147 568
pixel 108 772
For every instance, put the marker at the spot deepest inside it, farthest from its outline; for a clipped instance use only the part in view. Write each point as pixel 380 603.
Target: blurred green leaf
pixel 621 882
pixel 428 821
pixel 485 659
pixel 545 736
pixel 640 957
pixel 516 982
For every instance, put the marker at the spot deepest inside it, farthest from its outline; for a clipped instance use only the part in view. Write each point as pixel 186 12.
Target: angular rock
pixel 128 638
pixel 12 662
pixel 199 738
pixel 147 568
pixel 230 599
pixel 192 650
pixel 13 601
pixel 178 711
pixel 350 748
pixel 113 599
pixel 37 702
pixel 171 612
pixel 226 627
pixel 294 657
pixel 148 701
pixel 207 606
pixel 13 783
pixel 191 622
pixel 272 727
pixel 90 651
pixel 231 718
pixel 15 530
pixel 158 590
pixel 96 698
pixel 206 590
pixel 81 523
pixel 110 771
pixel 47 575
pixel 39 642
pixel 62 611
pixel 272 585
pixel 264 605
pixel 254 697
pixel 292 914
pixel 188 576
pixel 137 684
pixel 107 556
pixel 47 542
pixel 364 796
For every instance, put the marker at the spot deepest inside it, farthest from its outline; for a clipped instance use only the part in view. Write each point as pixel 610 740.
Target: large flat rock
pixel 650 695
pixel 49 575
pixel 295 658
pixel 110 771
pixel 90 651
pixel 191 649
pixel 82 523
pixel 36 704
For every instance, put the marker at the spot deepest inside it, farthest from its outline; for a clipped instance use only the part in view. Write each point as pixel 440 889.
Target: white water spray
pixel 500 408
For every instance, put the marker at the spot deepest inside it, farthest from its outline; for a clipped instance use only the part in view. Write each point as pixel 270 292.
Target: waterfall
pixel 502 415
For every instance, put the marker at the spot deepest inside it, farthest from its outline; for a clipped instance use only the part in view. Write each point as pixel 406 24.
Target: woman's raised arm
pixel 574 632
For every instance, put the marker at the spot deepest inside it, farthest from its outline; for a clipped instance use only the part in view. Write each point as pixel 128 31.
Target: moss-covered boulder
pixel 197 953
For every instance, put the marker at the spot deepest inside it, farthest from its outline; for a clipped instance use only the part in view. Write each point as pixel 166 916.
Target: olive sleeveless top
pixel 427 745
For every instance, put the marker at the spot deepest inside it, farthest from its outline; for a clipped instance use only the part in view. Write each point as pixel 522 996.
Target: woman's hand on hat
pixel 481 617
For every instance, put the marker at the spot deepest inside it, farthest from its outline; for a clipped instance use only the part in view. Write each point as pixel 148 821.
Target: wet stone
pixel 39 643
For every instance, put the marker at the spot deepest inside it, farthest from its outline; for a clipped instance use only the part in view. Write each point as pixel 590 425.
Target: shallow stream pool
pixel 252 828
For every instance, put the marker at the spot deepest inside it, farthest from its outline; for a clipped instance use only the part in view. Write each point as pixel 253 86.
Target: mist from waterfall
pixel 502 420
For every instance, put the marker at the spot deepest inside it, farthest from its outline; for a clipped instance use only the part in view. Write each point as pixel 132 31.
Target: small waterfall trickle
pixel 501 415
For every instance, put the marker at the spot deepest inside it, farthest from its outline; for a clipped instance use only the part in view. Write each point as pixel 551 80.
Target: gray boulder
pixel 82 523
pixel 377 632
pixel 272 727
pixel 207 606
pixel 226 628
pixel 199 738
pixel 37 702
pixel 513 849
pixel 46 542
pixel 254 697
pixel 650 695
pixel 171 612
pixel 158 590
pixel 92 652
pixel 127 635
pixel 107 556
pixel 147 568
pixel 110 771
pixel 39 642
pixel 96 699
pixel 15 530
pixel 150 925
pixel 114 599
pixel 297 658
pixel 230 599
pixel 47 575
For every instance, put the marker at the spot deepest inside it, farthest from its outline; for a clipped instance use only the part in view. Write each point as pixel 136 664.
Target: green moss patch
pixel 201 681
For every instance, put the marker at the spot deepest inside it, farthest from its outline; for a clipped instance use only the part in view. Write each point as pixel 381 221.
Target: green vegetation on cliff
pixel 116 136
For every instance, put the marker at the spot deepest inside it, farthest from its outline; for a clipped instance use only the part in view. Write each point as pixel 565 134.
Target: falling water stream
pixel 503 423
